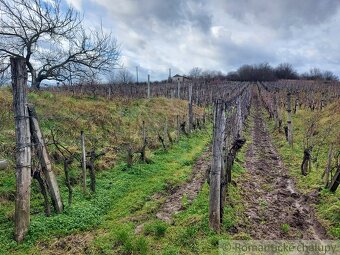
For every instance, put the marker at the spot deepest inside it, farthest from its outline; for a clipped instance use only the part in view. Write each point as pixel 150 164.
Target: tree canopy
pixel 53 41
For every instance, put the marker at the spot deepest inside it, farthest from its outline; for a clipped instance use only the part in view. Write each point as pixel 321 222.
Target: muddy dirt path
pixel 173 204
pixel 274 209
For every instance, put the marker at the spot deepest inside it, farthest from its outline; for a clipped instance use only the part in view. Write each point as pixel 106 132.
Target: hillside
pixel 109 126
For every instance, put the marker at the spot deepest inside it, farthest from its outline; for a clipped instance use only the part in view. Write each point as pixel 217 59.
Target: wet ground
pixel 274 209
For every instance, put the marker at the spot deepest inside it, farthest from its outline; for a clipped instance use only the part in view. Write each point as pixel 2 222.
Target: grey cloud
pixel 222 34
pixel 281 14
pixel 170 13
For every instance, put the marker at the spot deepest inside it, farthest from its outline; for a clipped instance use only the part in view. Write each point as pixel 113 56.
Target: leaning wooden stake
pixel 289 119
pixel 23 148
pixel 41 149
pixel 83 162
pixel 216 167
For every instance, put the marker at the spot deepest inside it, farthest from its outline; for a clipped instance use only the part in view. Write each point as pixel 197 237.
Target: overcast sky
pixel 219 34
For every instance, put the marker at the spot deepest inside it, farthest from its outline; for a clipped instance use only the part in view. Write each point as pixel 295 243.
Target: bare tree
pixel 53 40
pixel 123 76
pixel 195 73
pixel 317 74
pixel 209 74
pixel 330 76
pixel 286 71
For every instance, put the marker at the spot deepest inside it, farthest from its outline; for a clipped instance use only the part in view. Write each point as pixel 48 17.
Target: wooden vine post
pixel 190 106
pixel 275 109
pixel 239 118
pixel 143 150
pixel 179 90
pixel 289 119
pixel 46 166
pixel 325 175
pixel 216 167
pixel 148 86
pixel 23 148
pixel 224 162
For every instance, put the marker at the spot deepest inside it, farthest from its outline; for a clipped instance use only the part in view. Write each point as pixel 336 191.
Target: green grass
pixel 328 208
pixel 285 228
pixel 120 195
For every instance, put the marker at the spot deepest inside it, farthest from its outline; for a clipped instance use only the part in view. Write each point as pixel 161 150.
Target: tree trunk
pixel 46 167
pixel 35 83
pixel 23 148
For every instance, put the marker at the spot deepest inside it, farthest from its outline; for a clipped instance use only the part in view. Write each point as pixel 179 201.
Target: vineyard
pixel 167 168
pixel 169 127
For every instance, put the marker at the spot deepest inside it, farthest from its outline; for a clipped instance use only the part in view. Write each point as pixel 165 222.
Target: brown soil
pixel 72 244
pixel 270 197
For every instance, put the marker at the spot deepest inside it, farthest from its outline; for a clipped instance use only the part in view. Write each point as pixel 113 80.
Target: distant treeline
pixel 265 72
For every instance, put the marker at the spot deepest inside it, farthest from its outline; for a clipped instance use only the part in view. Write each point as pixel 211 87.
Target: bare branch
pixel 53 40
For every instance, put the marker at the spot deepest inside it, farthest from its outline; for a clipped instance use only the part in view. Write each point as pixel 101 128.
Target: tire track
pixel 274 209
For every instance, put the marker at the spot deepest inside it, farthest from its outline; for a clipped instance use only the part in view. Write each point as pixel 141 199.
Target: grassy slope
pixel 328 209
pixel 120 195
pixel 106 123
